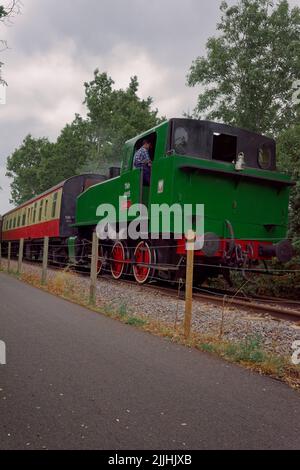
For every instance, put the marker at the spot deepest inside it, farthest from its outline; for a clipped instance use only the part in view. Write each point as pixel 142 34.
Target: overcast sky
pixel 55 45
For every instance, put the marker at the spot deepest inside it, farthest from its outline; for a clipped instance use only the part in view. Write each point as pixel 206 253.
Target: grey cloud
pixel 96 26
pixel 56 45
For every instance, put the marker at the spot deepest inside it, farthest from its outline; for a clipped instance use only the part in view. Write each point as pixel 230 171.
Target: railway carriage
pixel 50 214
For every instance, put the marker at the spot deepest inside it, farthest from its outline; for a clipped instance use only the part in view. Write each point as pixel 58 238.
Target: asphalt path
pixel 75 379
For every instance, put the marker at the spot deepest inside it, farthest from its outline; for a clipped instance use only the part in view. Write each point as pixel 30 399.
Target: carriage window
pixel 46 209
pixel 224 147
pixel 34 212
pixel 54 205
pixel 41 210
pixel 24 219
pixel 19 221
pixel 14 226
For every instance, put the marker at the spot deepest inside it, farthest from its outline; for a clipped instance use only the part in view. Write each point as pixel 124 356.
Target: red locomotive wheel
pixel 143 257
pixel 118 259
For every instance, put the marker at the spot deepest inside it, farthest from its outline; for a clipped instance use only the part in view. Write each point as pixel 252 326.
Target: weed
pixel 249 350
pixel 107 309
pixel 206 347
pixel 123 311
pixel 230 350
pixel 135 321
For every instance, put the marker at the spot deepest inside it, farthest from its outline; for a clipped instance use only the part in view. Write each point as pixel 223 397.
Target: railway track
pixel 278 308
pixel 267 306
pixel 271 309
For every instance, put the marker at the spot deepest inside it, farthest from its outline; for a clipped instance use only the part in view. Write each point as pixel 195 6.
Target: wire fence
pixel 41 251
pixel 57 249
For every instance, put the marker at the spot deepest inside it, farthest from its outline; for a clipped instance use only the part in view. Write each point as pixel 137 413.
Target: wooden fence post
pixel 20 260
pixel 45 260
pixel 189 283
pixel 8 256
pixel 94 262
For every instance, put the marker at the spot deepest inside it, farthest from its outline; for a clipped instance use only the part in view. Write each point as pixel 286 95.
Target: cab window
pixel 224 147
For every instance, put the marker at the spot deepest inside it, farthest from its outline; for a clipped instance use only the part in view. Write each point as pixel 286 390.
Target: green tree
pixel 9 10
pixel 114 117
pixel 85 145
pixel 39 164
pixel 68 155
pixel 288 150
pixel 24 165
pixel 248 74
pixel 2 12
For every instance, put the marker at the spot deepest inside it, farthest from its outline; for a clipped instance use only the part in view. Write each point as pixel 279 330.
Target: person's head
pixel 147 144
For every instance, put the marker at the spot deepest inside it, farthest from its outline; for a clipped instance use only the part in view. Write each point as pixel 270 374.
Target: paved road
pixel 75 379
